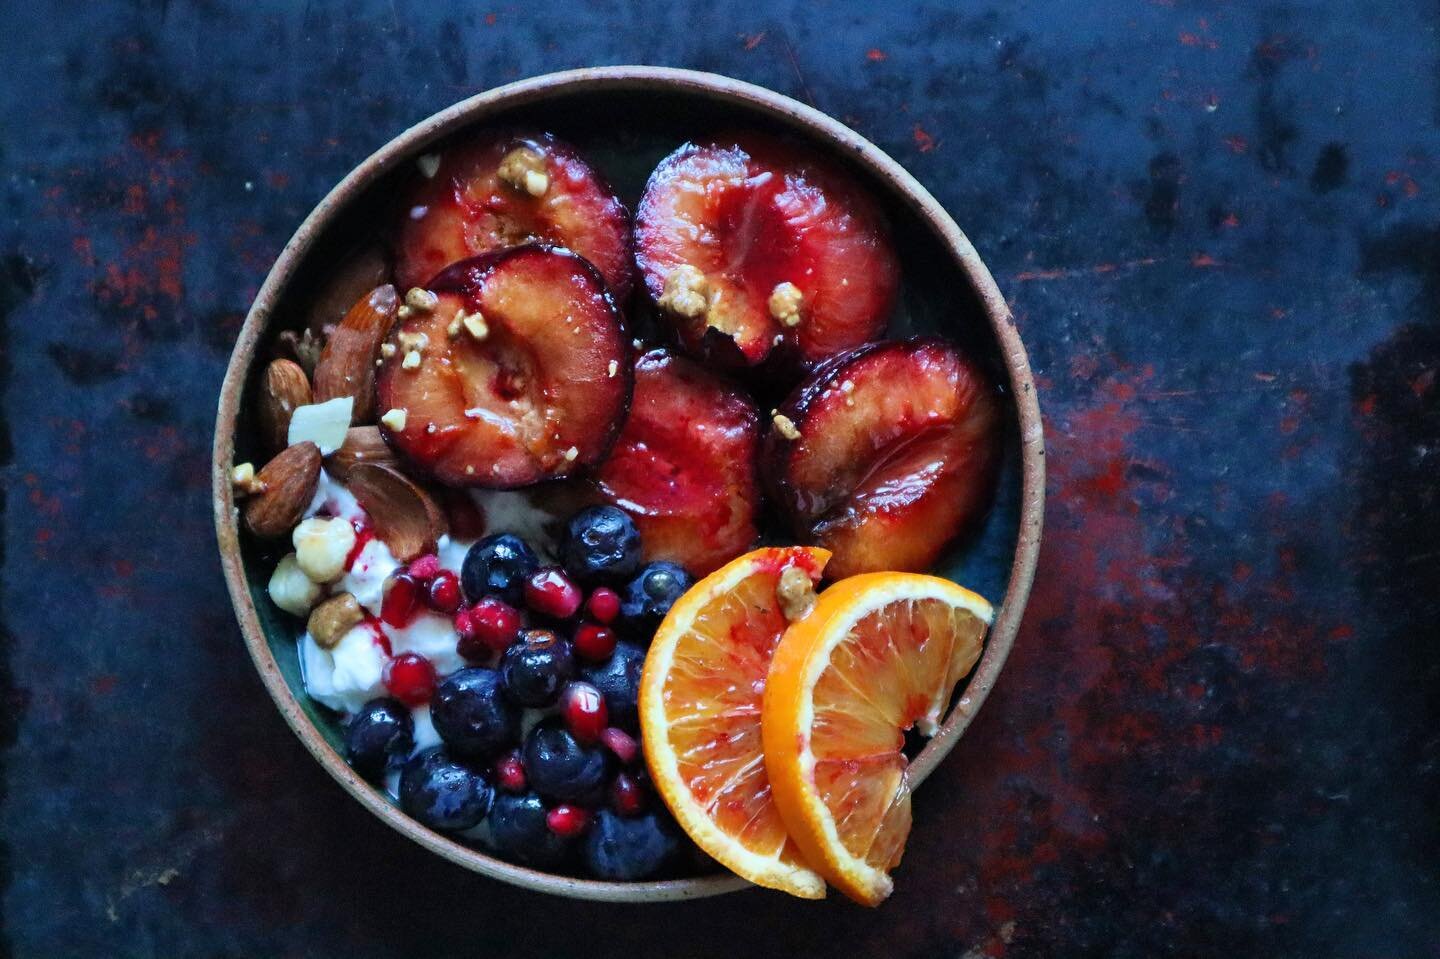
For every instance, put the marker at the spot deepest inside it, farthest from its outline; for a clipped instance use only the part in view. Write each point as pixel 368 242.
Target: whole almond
pixel 334 618
pixel 284 388
pixel 358 274
pixel 406 518
pixel 363 444
pixel 289 482
pixel 347 365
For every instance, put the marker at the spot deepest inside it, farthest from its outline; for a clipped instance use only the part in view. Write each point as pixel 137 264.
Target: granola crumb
pixel 413 341
pixel 686 293
pixel 453 330
pixel 475 325
pixel 570 454
pixel 387 350
pixel 242 477
pixel 786 427
pixel 785 302
pixel 429 165
pixel 412 360
pixel 795 592
pixel 430 427
pixel 613 368
pixel 395 420
pixel 420 300
pixel 469 471
pixel 404 312
pixel 524 169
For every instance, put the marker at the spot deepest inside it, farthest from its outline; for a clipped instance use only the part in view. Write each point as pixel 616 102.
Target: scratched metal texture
pixel 1219 226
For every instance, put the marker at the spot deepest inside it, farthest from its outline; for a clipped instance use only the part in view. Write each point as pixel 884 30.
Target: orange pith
pixel 879 654
pixel 700 697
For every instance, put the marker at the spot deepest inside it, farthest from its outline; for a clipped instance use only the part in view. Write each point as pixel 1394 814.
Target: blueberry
pixel 618 679
pixel 519 833
pixel 498 566
pixel 601 545
pixel 649 596
pixel 472 716
pixel 560 768
pixel 443 793
pixel 535 667
pixel 379 736
pixel 624 849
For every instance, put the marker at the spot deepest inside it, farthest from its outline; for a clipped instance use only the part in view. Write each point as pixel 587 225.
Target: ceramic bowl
pixel 625 119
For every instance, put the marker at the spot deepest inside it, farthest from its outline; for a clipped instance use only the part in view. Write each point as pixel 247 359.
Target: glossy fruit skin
pixel 465 209
pixel 618 680
pixel 621 743
pixel 601 545
pixel 378 737
pixel 498 565
pixel 402 601
pixel 424 568
pixel 410 678
pixel 627 848
pixel 520 833
pixel 753 212
pixel 540 394
pixel 649 596
pixel 443 594
pixel 486 628
pixel 443 793
pixel 627 796
pixel 510 773
pixel 472 715
pixel 603 605
pixel 549 592
pixel 536 668
pixel 567 821
pixel 898 455
pixel 584 712
pixel 561 768
pixel 594 643
pixel 685 464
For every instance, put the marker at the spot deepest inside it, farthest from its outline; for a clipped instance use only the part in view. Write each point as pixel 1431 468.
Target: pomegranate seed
pixel 584 710
pixel 490 626
pixel 510 773
pixel 603 605
pixel 424 567
pixel 410 678
pixel 550 592
pixel 621 744
pixel 566 820
pixel 595 643
pixel 626 795
pixel 444 595
pixel 401 601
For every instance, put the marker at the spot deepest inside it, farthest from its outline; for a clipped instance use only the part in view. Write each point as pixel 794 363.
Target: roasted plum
pixel 684 465
pixel 498 190
pixel 510 368
pixel 757 245
pixel 885 454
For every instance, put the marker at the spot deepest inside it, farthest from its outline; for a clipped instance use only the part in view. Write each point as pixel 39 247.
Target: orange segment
pixel 700 699
pixel 880 653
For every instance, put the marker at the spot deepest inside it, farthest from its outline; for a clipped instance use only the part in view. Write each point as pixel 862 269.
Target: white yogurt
pixel 348 676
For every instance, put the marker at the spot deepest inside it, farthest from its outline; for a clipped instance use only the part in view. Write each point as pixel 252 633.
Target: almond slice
pixel 347 366
pixel 289 482
pixel 363 444
pixel 405 517
pixel 284 388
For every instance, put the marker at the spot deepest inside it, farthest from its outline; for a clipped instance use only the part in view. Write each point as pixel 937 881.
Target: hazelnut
pixel 291 589
pixel 322 546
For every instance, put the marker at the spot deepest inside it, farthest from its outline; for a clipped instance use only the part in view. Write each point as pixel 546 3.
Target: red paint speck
pixel 876 56
pixel 1236 143
pixel 752 40
pixel 924 142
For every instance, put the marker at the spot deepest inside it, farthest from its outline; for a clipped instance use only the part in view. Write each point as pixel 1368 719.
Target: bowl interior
pixel 624 132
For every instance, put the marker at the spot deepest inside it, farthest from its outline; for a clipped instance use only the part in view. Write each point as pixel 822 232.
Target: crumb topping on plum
pixel 687 292
pixel 524 169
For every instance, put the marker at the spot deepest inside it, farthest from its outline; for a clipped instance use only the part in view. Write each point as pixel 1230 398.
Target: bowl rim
pixel 714 87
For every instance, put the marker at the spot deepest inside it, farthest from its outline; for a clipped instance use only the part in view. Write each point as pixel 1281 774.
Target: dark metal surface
pixel 1217 223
